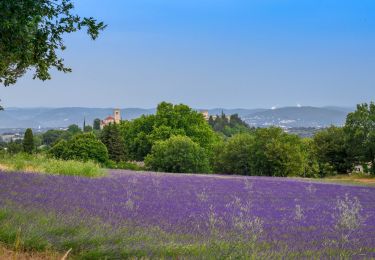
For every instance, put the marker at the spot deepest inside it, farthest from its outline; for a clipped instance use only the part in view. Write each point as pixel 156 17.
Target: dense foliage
pixel 96 124
pixel 228 125
pixel 142 133
pixel 177 154
pixel 177 135
pixel 31 34
pixel 331 151
pixel 28 142
pixel 112 139
pixel 360 134
pixel 83 147
pixel 266 152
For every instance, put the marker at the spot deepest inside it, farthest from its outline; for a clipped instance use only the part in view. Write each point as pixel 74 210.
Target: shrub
pixel 59 149
pixel 124 165
pixel 234 156
pixel 178 154
pixel 83 147
pixel 266 152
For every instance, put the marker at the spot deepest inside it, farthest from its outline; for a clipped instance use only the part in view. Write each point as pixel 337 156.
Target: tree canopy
pixel 178 154
pixel 84 147
pixel 360 134
pixel 31 34
pixel 266 152
pixel 112 139
pixel 331 151
pixel 170 120
pixel 28 141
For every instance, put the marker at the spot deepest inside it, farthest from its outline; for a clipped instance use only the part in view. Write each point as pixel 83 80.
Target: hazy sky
pixel 214 53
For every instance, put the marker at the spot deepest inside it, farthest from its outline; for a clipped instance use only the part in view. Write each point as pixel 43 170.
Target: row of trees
pixel 179 139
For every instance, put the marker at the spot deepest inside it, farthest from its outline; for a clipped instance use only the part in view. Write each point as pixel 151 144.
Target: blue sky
pixel 214 53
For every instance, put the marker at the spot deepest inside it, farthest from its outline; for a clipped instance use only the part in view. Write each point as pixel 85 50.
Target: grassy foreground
pixel 42 164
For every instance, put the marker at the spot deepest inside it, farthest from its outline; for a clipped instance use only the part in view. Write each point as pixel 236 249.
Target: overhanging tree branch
pixel 31 35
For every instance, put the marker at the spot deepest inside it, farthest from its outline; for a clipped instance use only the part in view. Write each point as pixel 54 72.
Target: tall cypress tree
pixel 111 137
pixel 96 124
pixel 28 141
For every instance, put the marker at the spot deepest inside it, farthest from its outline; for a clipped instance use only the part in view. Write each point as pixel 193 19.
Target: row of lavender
pixel 285 212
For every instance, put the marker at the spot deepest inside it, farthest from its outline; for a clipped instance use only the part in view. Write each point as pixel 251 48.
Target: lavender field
pixel 154 214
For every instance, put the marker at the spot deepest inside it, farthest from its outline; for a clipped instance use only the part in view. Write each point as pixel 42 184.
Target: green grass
pixel 31 231
pixel 43 164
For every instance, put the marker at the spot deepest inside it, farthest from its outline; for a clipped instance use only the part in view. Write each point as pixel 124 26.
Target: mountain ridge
pixel 48 117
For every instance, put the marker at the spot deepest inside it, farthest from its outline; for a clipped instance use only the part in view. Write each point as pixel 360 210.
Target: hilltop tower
pixel 117 115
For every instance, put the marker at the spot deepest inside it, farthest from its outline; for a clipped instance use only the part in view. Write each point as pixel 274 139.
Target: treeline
pixel 179 139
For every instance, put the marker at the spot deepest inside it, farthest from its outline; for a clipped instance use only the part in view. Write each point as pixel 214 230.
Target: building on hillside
pixel 216 116
pixel 205 114
pixel 113 119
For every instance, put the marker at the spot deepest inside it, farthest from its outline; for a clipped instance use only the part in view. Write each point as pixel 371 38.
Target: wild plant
pixel 213 222
pixel 202 196
pixel 248 184
pixel 133 180
pixel 130 202
pixel 156 181
pixel 298 213
pixel 348 220
pixel 311 188
pixel 250 228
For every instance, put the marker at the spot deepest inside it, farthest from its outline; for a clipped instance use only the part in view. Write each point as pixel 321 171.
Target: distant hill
pixel 60 117
pixel 287 117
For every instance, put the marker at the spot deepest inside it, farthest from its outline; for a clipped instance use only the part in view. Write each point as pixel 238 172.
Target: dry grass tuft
pixel 7 254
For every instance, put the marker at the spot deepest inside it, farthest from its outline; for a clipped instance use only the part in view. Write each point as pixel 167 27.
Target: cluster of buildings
pixel 206 115
pixel 10 137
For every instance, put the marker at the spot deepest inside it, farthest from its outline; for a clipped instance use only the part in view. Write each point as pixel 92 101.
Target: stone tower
pixel 117 115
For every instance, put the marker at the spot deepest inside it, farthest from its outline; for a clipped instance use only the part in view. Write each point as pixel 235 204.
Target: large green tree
pixel 135 134
pixel 52 136
pixel 265 152
pixel 28 141
pixel 233 157
pixel 31 36
pixel 84 147
pixel 360 134
pixel 178 154
pixel 142 133
pixel 96 124
pixel 111 137
pixel 331 150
